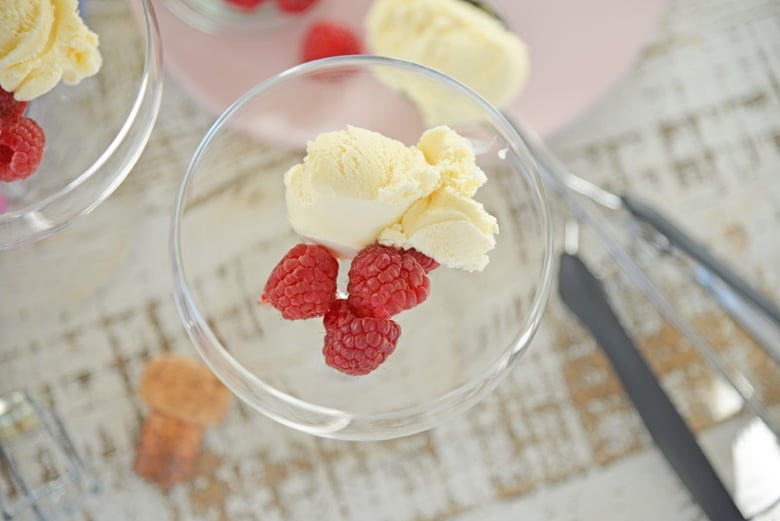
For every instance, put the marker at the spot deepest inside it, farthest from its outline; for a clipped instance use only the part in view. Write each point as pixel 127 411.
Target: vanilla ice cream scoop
pixel 456 38
pixel 41 43
pixel 351 185
pixel 356 187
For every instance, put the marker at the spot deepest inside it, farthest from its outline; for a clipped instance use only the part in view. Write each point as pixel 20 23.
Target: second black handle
pixel 584 295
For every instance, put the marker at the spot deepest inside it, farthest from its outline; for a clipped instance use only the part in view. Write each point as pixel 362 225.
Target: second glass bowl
pixel 95 131
pixel 230 229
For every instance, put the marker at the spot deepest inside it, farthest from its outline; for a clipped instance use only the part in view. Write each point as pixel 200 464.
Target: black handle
pixel 584 295
pixel 700 254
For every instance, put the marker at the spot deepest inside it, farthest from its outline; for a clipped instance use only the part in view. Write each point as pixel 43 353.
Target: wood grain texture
pixel 694 128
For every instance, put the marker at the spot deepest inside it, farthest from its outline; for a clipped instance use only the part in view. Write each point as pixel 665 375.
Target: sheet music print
pixel 695 129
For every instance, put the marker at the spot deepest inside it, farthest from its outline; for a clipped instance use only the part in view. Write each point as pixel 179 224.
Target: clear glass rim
pixel 455 400
pixel 150 86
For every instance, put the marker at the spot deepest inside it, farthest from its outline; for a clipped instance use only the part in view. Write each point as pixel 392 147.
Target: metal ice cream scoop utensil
pixel 570 187
pixel 582 293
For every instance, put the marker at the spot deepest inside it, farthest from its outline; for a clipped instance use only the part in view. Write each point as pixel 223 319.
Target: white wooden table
pixel 694 128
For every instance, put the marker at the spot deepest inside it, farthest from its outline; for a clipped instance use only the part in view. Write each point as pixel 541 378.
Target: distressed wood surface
pixel 694 128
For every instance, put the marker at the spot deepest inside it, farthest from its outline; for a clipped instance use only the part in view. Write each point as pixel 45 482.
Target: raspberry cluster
pixel 21 140
pixel 359 331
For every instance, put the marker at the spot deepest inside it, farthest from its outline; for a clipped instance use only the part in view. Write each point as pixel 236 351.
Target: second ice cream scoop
pixel 455 37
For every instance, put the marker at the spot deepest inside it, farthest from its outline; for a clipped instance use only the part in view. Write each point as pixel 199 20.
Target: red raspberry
pixel 384 281
pixel 357 345
pixel 10 108
pixel 294 6
pixel 427 263
pixel 21 149
pixel 326 39
pixel 303 284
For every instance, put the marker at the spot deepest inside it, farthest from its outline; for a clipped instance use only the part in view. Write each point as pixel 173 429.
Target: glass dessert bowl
pixel 95 130
pixel 230 229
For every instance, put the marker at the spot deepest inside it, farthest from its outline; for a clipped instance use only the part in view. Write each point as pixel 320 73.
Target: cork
pixel 184 397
